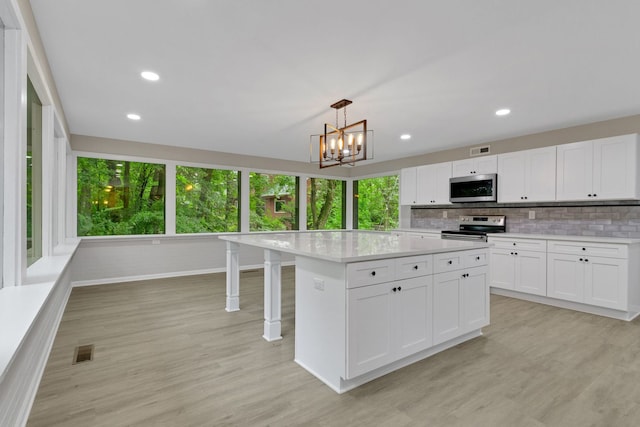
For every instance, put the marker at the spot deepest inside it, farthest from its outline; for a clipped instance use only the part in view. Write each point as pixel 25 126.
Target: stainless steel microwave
pixel 474 188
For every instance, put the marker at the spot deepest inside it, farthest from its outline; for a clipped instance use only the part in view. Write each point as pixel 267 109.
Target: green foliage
pixel 378 203
pixel 324 204
pixel 206 200
pixel 265 190
pixel 127 198
pixel 120 197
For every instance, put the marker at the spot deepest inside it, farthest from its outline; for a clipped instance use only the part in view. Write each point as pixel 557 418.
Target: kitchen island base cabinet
pixel 347 336
pixel 460 303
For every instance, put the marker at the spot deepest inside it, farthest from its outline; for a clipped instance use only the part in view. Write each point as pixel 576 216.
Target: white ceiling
pixel 257 77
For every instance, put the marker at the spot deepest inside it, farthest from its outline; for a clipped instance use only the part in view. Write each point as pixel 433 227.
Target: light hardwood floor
pixel 167 354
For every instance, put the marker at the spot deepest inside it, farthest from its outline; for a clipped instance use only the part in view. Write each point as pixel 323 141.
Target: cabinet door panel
pixel 486 164
pixel 531 272
pixel 540 174
pixel 408 186
pixel 511 187
pixel 462 167
pixel 614 167
pixel 475 299
pixel 414 325
pixel 565 277
pixel 369 331
pixel 447 319
pixel 502 269
pixel 425 184
pixel 605 282
pixel 442 173
pixel 575 171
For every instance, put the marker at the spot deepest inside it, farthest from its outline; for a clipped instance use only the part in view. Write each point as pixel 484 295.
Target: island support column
pixel 233 276
pixel 272 295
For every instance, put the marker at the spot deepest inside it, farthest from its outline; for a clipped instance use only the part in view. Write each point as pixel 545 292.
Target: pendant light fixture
pixel 346 145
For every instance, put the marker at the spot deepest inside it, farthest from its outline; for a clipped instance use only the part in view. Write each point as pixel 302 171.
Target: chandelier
pixel 346 145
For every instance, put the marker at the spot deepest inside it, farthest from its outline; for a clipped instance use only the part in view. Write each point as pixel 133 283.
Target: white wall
pixel 120 259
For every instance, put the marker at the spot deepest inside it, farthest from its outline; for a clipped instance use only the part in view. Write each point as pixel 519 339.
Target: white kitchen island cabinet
pixel 365 301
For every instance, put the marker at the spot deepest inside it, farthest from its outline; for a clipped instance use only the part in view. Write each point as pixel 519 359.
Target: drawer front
pixel 370 272
pixel 448 261
pixel 475 258
pixel 610 250
pixel 522 244
pixel 414 266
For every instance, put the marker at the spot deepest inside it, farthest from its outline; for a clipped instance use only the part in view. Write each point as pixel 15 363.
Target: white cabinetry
pixel 519 264
pixel 460 294
pixel 391 320
pixel 432 183
pixel 424 185
pixel 408 186
pixel 527 176
pixel 601 169
pixel 578 273
pixel 386 322
pixel 478 165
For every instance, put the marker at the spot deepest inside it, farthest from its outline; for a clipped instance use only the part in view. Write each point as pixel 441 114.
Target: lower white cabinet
pixel 596 275
pixel 519 265
pixel 386 322
pixel 523 271
pixel 598 281
pixel 460 303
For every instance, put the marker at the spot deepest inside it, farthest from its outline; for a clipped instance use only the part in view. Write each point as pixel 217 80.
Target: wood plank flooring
pixel 168 354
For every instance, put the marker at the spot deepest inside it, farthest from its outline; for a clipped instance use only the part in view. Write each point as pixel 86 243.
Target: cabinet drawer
pixel 610 250
pixel 414 266
pixel 448 261
pixel 370 272
pixel 522 244
pixel 475 258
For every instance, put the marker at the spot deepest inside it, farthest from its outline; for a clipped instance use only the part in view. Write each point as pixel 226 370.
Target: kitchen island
pixel 368 303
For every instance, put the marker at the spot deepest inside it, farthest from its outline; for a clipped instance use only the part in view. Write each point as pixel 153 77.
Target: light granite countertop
pixel 351 246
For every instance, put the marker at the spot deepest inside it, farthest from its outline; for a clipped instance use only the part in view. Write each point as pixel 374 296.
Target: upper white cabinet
pixel 480 165
pixel 601 169
pixel 527 176
pixel 408 186
pixel 424 185
pixel 432 184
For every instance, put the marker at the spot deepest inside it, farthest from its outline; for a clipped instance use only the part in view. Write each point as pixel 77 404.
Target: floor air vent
pixel 83 353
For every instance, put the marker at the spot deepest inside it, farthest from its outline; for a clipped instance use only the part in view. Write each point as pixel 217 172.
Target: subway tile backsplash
pixel 606 221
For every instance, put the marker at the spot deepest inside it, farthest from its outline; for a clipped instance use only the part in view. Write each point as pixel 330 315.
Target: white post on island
pixel 233 276
pixel 272 295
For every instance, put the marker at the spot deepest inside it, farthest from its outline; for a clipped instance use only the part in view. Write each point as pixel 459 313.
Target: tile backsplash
pixel 618 220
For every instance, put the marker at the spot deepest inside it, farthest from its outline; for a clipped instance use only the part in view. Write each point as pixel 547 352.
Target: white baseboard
pixel 123 279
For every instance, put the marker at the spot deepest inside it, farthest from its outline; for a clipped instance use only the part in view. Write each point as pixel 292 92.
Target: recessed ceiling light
pixel 133 116
pixel 150 75
pixel 503 112
pixel 405 136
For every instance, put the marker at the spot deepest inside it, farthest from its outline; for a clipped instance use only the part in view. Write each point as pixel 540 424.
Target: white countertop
pixel 350 246
pixel 593 239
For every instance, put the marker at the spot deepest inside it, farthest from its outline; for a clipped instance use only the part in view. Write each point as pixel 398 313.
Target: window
pixel 376 203
pixel 272 200
pixel 206 200
pixel 325 204
pixel 120 197
pixel 34 175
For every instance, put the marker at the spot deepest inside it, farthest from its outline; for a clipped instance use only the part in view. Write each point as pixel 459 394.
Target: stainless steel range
pixel 476 227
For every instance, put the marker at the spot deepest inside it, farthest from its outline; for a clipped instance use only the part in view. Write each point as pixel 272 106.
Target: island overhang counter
pixel 368 303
